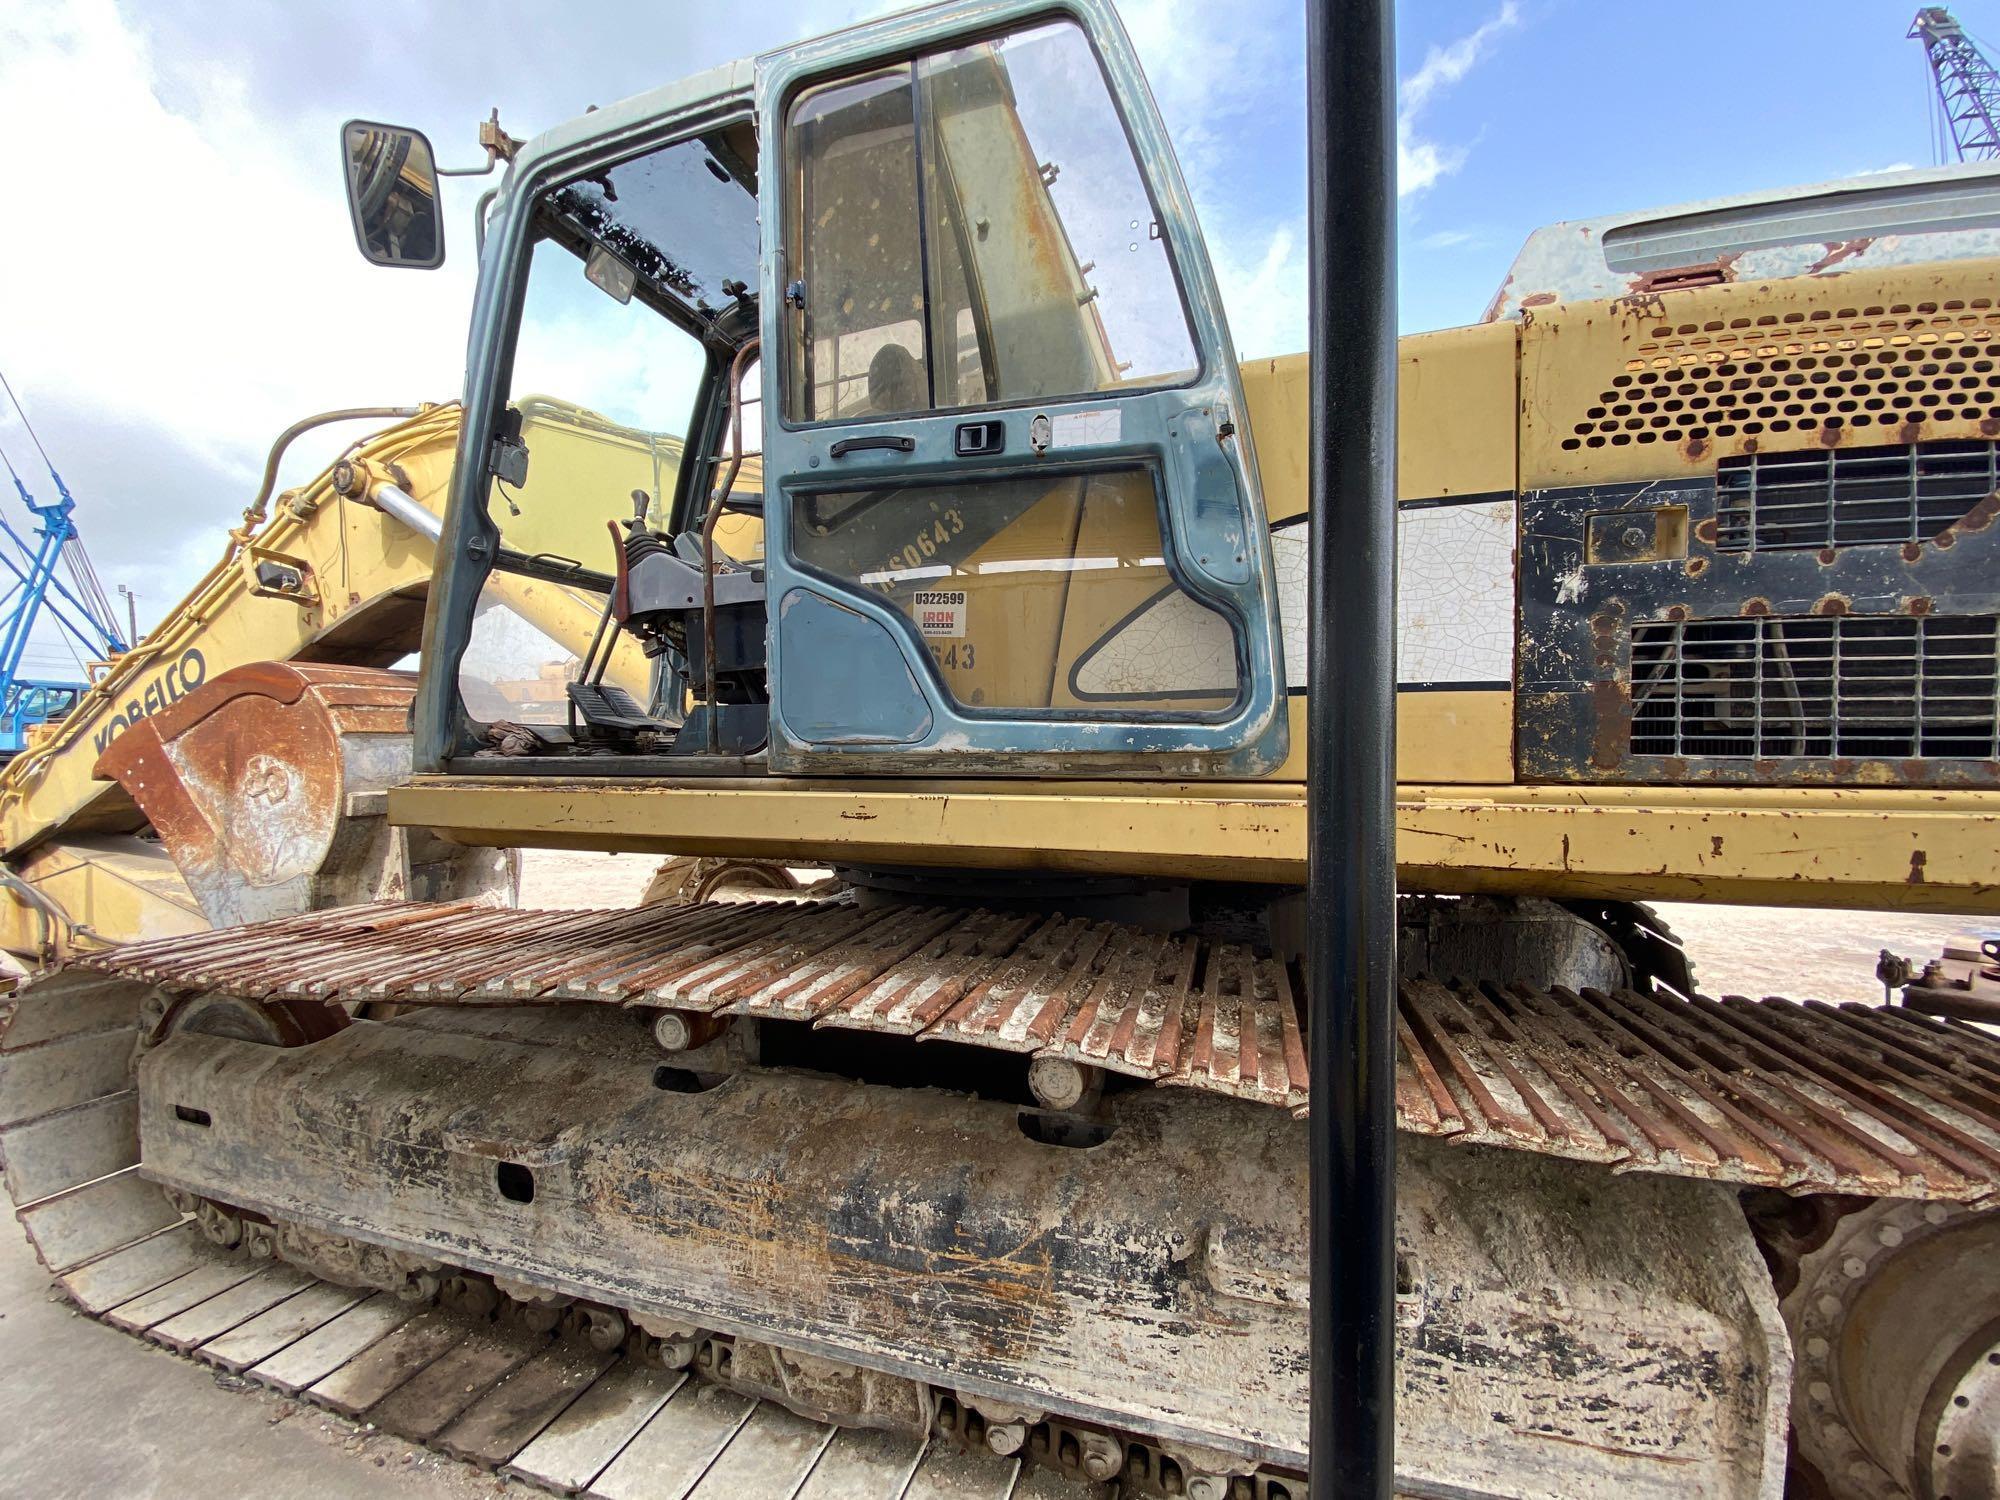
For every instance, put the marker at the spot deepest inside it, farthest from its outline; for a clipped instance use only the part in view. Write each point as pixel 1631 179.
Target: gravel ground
pixel 555 879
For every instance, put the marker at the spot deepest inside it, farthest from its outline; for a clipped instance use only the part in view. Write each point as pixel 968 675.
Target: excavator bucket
pixel 269 785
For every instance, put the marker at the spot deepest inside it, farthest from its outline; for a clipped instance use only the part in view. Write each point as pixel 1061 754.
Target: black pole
pixel 1351 724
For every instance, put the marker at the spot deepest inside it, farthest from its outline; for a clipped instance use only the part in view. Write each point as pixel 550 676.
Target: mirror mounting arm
pixel 495 142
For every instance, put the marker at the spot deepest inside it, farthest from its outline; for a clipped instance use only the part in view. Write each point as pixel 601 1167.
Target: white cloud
pixel 179 258
pixel 182 279
pixel 1420 162
pixel 1447 239
pixel 1196 62
pixel 1264 291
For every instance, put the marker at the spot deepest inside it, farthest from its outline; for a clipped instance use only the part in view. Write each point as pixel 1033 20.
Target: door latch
pixel 977 439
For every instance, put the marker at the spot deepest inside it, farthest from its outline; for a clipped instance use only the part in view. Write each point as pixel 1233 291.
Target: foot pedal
pixel 608 707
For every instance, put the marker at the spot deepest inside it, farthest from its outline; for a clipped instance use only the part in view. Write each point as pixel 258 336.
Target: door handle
pixel 889 441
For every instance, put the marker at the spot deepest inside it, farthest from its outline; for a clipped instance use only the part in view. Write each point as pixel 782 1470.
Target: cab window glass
pixel 973 228
pixel 863 351
pixel 1028 592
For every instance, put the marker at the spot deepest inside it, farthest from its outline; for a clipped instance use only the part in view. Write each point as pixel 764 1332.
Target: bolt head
pixel 1103 1458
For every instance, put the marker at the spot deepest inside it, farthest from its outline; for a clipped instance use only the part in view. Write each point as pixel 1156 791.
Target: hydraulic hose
pixel 299 429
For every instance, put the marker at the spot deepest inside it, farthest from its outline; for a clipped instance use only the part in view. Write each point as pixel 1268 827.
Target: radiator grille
pixel 1857 497
pixel 1839 687
pixel 1867 368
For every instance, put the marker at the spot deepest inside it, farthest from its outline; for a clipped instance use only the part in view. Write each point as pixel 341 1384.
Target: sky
pixel 178 280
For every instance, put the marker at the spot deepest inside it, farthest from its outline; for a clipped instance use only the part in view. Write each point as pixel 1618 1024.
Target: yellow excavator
pixel 978 573
pixel 235 764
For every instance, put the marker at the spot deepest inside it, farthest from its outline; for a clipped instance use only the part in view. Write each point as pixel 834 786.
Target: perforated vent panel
pixel 1849 497
pixel 1769 688
pixel 1898 368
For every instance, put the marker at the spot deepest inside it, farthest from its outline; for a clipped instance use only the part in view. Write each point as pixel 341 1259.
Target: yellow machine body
pixel 1489 413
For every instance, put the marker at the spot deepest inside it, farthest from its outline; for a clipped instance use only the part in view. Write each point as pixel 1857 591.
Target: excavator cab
pixel 960 477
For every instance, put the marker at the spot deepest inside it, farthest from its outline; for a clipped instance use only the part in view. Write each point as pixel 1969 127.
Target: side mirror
pixel 392 194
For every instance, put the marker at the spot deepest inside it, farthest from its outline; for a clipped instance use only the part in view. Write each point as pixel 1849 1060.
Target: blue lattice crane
pixel 1968 87
pixel 78 608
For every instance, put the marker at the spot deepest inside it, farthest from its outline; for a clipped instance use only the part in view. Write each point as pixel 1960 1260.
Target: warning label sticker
pixel 941 612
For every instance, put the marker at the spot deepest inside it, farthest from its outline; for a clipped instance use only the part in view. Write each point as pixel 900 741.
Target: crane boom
pixel 82 611
pixel 1968 87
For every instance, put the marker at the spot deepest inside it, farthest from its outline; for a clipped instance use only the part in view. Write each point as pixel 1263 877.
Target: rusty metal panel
pixel 1852 1098
pixel 1662 383
pixel 1750 654
pixel 1872 224
pixel 250 780
pixel 1808 1098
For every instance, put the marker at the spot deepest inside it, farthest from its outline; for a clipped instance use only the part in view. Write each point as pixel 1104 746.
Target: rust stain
pixel 1696 566
pixel 1756 606
pixel 1913 552
pixel 1705 531
pixel 1918 859
pixel 1639 304
pixel 1827 557
pixel 1919 605
pixel 1978 518
pixel 1538 299
pixel 1832 604
pixel 1694 450
pixel 1806 1098
pixel 1650 284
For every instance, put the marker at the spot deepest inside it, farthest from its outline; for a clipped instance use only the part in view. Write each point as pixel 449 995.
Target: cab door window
pixel 971 228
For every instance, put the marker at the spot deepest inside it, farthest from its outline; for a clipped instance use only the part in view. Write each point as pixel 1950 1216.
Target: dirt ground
pixel 1804 955
pixel 91 1413
pixel 1741 950
pixel 555 879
